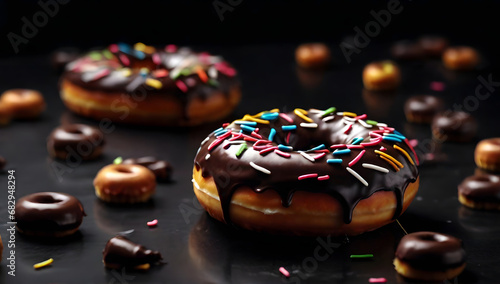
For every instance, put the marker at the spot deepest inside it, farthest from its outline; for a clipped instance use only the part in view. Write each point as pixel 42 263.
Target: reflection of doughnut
pixel 312 55
pixel 378 103
pixel 460 58
pixel 284 179
pixel 381 76
pixel 145 85
pixel 49 214
pixel 86 141
pixel 161 169
pixel 480 192
pixel 23 103
pixel 124 184
pixel 483 223
pixel 487 154
pixel 5 115
pixel 421 109
pixel 120 252
pixel 429 256
pixel 433 45
pixel 454 126
pixel 407 50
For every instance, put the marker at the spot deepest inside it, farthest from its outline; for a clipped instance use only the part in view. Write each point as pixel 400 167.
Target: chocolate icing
pixel 161 169
pixel 69 137
pixel 424 107
pixel 48 212
pixel 431 251
pixel 62 56
pixel 483 188
pixel 230 172
pixel 454 126
pixel 120 251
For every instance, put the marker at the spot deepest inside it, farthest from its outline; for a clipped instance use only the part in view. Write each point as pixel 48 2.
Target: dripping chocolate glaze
pixel 123 252
pixel 230 172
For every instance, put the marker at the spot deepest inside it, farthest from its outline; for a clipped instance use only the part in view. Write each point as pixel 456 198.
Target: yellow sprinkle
pixel 404 152
pixel 299 113
pixel 390 162
pixel 43 263
pixel 126 72
pixel 144 70
pixel 351 114
pixel 144 266
pixel 390 158
pixel 140 46
pixel 251 118
pixel 303 111
pixel 154 83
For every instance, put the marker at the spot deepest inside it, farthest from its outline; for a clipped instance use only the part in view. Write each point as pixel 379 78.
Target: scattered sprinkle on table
pixel 43 263
pixel 284 272
pixel 377 280
pixel 368 255
pixel 437 86
pixel 152 223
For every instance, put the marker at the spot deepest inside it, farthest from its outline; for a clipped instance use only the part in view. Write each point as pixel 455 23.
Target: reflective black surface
pixel 198 249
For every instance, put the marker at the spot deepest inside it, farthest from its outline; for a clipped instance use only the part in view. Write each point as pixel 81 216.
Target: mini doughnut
pixel 313 55
pixel 23 103
pixel 381 76
pixel 5 115
pixel 460 58
pixel 487 154
pixel 75 139
pixel 433 46
pixel 422 108
pixel 120 252
pixel 49 214
pixel 456 126
pixel 407 50
pixel 429 256
pixel 309 172
pixel 144 85
pixel 480 192
pixel 161 169
pixel 124 184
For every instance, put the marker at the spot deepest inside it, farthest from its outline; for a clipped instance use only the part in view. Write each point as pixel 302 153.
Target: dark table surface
pixel 198 249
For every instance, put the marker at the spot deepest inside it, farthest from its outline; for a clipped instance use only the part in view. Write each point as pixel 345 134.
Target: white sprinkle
pixel 328 118
pixel 340 113
pixel 317 111
pixel 347 122
pixel 259 168
pixel 309 125
pixel 375 167
pixel 212 72
pixel 207 157
pixel 307 156
pixel 235 142
pixel 199 148
pixel 356 175
pixel 351 119
pixel 380 124
pixel 204 141
pixel 362 122
pixel 196 184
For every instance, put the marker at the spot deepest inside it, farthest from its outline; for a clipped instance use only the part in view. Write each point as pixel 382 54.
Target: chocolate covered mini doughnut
pixel 480 192
pixel 487 154
pixel 421 109
pixel 161 169
pixel 456 126
pixel 121 252
pixel 82 140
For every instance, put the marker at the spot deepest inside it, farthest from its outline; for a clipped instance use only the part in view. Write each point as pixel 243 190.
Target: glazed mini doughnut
pixel 429 256
pixel 407 50
pixel 160 168
pixel 460 58
pixel 433 45
pixel 121 252
pixel 23 103
pixel 422 108
pixel 124 183
pixel 75 139
pixel 306 173
pixel 313 55
pixel 456 126
pixel 149 86
pixel 480 192
pixel 381 76
pixel 487 154
pixel 49 214
pixel 5 115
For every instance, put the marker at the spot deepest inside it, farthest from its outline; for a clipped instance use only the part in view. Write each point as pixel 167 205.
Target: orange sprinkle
pixel 405 153
pixel 202 74
pixel 390 162
pixel 390 158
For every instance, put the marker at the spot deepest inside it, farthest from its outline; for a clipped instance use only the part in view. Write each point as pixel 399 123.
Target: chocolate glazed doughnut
pixel 49 214
pixel 80 139
pixel 121 252
pixel 480 192
pixel 161 169
pixel 274 172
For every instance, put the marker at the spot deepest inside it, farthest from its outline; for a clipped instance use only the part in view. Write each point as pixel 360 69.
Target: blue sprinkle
pixel 247 128
pixel 334 161
pixel 249 123
pixel 271 134
pixel 270 115
pixel 357 140
pixel 220 133
pixel 288 127
pixel 285 148
pixel 396 136
pixel 218 130
pixel 125 48
pixel 143 73
pixel 399 133
pixel 343 151
pixel 394 139
pixel 139 54
pixel 320 147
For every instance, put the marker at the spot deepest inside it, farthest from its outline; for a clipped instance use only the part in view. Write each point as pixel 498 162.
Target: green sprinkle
pixel 95 55
pixel 372 122
pixel 213 82
pixel 328 111
pixel 118 160
pixel 368 255
pixel 242 149
pixel 107 54
pixel 186 72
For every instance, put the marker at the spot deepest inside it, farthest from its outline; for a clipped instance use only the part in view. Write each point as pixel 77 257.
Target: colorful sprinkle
pixel 377 280
pixel 392 139
pixel 204 141
pixel 154 83
pixel 95 55
pixel 357 140
pixel 337 146
pixel 251 118
pixel 355 147
pixel 160 73
pixel 284 272
pixel 437 86
pixel 152 223
pixel 307 156
pixel 181 86
pixel 259 168
pixel 371 122
pixel 113 48
pixel 270 115
pixel 139 54
pixel 351 114
pixel 363 116
pixel 267 150
pixel 328 118
pixel 358 157
pixel 118 160
pixel 413 150
pixel 375 167
pixel 371 143
pixel 88 77
pixel 247 128
pixel 309 125
pixel 390 158
pixel 317 157
pixel 334 161
pixel 201 73
pixel 171 48
pixel 283 154
pixel 341 152
pixel 244 122
pixel 156 59
pixel 366 125
pixel 43 263
pixel 356 175
pixel 308 176
pixel 124 59
pixel 325 177
pixel 286 117
pixel 319 147
pixel 285 148
pixel 288 127
pixel 390 163
pixel 328 111
pixel 212 72
pixel 288 137
pixel 382 148
pixel 368 255
pixel 207 156
pixel 404 153
pixel 347 129
pixel 214 144
pixel 302 114
pixel 272 133
pixel 242 149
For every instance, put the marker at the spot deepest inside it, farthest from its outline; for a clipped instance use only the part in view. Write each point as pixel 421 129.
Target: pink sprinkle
pixel 322 151
pixel 288 137
pixel 214 144
pixel 256 135
pixel 249 138
pixel 265 151
pixel 374 134
pixel 338 146
pixel 413 150
pixel 348 128
pixel 374 142
pixel 281 153
pixel 358 157
pixel 204 57
pixel 262 141
pixel 124 59
pixel 100 74
pixel 229 71
pixel 226 124
pixel 236 136
pixel 382 148
pixel 260 147
pixel 152 223
pixel 113 48
pixel 286 117
pixel 437 86
pixel 226 146
pixel 319 156
pixel 171 48
pixel 284 272
pixel 308 176
pixel 377 280
pixel 156 59
pixel 413 142
pixel 355 146
pixel 325 177
pixel 160 73
pixel 256 130
pixel 181 86
pixel 363 116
